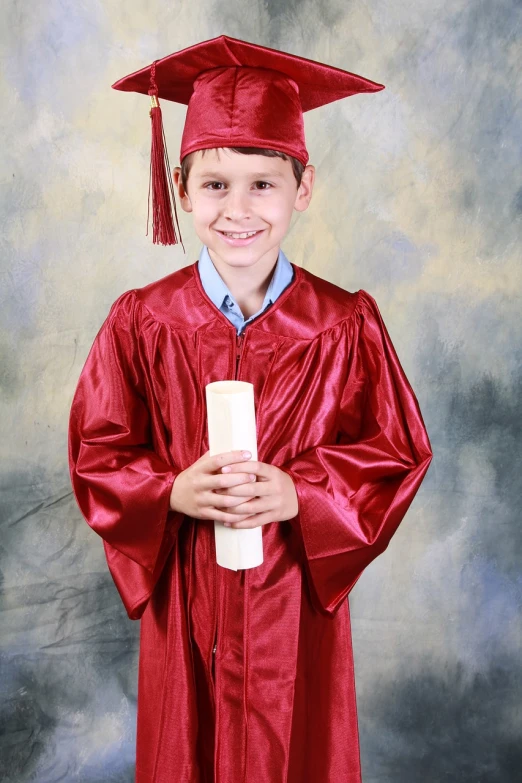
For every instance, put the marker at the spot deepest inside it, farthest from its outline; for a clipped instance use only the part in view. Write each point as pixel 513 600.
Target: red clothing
pixel 335 410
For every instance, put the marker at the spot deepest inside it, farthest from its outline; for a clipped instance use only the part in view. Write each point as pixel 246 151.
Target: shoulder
pixel 171 299
pixel 334 302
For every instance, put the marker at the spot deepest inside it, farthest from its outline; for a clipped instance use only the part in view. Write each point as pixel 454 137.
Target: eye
pixel 260 185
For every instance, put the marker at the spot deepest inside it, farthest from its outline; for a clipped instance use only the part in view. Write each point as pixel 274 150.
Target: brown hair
pixel 297 166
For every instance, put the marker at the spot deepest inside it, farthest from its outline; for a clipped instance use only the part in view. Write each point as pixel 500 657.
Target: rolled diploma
pixel 231 419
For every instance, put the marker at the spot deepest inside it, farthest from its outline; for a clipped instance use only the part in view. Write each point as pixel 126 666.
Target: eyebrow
pixel 255 175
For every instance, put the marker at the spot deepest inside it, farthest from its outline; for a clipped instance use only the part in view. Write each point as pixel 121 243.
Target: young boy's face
pixel 228 192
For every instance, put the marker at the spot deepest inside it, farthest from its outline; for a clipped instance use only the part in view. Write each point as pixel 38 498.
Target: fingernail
pixel 252 477
pixel 226 469
pixel 247 454
pixel 227 524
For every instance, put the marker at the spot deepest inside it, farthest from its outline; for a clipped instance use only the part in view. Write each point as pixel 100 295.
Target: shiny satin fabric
pixel 245 107
pixel 276 703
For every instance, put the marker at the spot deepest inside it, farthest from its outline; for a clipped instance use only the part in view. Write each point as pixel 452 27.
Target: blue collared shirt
pixel 218 292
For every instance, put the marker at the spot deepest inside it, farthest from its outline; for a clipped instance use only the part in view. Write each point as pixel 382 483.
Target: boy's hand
pixel 272 498
pixel 203 491
pixel 194 489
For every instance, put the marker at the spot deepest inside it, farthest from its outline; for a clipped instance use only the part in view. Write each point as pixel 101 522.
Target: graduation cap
pixel 238 94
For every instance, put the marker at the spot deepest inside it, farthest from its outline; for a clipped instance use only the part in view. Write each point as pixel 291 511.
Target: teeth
pixel 240 236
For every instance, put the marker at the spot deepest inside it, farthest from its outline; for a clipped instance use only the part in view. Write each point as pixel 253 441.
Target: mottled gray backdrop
pixel 418 200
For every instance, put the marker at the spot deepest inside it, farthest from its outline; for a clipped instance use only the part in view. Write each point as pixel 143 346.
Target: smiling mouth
pixel 242 235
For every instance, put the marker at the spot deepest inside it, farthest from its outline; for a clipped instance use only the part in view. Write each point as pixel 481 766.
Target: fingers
pixel 220 505
pixel 219 515
pixel 253 521
pixel 227 470
pixel 225 501
pixel 235 483
pixel 223 508
pixel 218 461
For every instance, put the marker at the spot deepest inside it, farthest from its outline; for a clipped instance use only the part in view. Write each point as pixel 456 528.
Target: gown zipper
pixel 239 345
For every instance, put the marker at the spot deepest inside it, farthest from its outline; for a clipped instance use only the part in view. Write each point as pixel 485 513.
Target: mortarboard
pixel 238 94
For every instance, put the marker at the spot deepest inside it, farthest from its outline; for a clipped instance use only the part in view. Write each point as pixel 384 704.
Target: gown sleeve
pixel 352 495
pixel 122 486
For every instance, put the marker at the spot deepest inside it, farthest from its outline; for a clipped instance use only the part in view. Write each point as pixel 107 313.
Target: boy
pixel 244 676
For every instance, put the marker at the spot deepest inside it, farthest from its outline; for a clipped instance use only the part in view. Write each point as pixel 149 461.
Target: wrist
pixel 172 499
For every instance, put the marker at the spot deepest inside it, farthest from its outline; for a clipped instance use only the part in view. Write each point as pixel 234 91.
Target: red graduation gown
pixel 276 702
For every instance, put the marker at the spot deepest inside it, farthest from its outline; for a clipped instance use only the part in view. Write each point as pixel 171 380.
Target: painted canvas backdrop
pixel 417 200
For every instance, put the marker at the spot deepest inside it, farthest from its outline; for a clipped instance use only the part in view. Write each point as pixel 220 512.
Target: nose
pixel 236 205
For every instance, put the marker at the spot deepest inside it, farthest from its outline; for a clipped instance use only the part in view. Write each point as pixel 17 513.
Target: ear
pixel 183 196
pixel 304 191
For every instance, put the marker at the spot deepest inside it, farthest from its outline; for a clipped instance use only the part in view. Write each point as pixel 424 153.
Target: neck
pixel 247 284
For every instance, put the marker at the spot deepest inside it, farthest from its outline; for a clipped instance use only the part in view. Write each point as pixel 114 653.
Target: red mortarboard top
pixel 238 94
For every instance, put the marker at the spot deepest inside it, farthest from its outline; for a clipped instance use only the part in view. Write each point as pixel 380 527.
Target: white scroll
pixel 231 421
